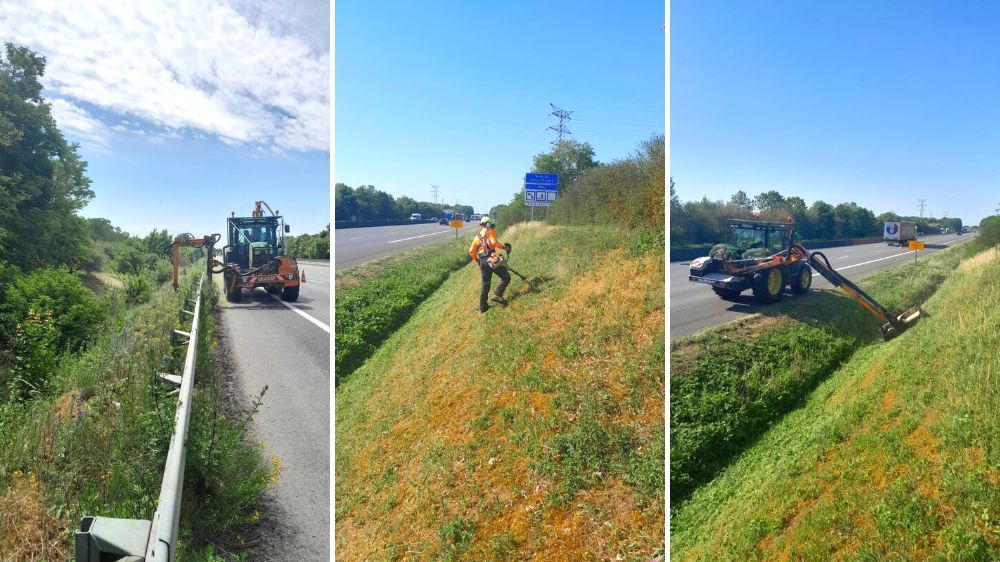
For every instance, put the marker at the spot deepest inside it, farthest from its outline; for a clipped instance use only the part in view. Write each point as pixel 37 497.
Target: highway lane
pixel 695 307
pixel 355 246
pixel 289 351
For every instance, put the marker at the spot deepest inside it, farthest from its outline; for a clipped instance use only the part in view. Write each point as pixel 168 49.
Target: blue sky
pixel 186 110
pixel 881 103
pixel 457 94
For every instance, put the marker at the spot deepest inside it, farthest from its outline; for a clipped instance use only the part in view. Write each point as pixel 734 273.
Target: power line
pixel 560 129
pixel 922 204
pixel 434 190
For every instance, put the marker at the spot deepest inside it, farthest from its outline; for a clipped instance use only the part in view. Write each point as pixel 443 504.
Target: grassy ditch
pixel 895 456
pixel 95 441
pixel 731 383
pixel 375 299
pixel 533 431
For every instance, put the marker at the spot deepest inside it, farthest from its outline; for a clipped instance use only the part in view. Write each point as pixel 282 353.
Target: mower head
pixel 901 323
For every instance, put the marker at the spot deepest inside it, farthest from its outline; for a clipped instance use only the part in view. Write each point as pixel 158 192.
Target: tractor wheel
pixel 803 280
pixel 726 294
pixel 273 289
pixel 768 285
pixel 234 295
pixel 290 294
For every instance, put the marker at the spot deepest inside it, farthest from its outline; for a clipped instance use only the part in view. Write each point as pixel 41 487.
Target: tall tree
pixel 43 181
pixel 741 201
pixel 569 159
pixel 769 201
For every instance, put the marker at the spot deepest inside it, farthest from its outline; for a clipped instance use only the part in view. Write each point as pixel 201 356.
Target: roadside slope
pixel 535 430
pixel 895 456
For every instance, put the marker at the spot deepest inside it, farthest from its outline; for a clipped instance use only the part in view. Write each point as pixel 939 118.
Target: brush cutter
pixel 497 259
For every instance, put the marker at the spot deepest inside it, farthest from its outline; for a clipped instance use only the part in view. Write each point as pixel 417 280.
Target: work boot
pixel 498 299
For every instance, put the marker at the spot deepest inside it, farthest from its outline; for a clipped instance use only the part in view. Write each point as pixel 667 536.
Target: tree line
pixel 365 203
pixel 705 221
pixel 46 248
pixel 310 246
pixel 627 192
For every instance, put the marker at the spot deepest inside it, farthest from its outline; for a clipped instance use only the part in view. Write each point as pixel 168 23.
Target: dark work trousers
pixel 487 274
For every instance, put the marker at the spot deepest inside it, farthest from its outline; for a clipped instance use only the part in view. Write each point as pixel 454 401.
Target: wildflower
pixel 18 474
pixel 255 517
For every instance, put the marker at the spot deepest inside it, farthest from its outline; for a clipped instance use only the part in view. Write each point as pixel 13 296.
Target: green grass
pixel 375 299
pixel 514 420
pixel 731 383
pixel 96 442
pixel 896 455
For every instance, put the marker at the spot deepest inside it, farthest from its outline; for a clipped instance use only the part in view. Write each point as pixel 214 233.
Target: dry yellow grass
pixel 419 457
pixel 27 531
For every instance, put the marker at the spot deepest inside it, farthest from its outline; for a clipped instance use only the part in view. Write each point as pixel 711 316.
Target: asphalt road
pixel 288 349
pixel 355 246
pixel 695 307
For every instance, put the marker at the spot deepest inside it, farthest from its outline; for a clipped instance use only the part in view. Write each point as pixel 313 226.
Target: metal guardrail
pixel 135 540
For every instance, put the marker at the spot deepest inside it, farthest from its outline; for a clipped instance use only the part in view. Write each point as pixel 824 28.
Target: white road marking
pixel 412 237
pixel 885 258
pixel 424 235
pixel 873 261
pixel 320 282
pixel 302 314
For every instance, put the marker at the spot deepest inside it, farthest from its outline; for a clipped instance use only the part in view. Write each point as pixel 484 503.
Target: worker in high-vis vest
pixel 485 245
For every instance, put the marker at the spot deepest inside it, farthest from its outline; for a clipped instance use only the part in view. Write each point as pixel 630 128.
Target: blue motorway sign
pixel 540 190
pixel 541 178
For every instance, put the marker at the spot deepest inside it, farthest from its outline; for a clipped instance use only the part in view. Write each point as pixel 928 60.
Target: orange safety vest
pixel 484 244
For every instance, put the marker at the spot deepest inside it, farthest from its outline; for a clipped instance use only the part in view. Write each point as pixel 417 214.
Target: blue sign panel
pixel 540 190
pixel 541 178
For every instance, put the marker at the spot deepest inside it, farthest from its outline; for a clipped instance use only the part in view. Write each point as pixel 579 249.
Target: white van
pixel 415 217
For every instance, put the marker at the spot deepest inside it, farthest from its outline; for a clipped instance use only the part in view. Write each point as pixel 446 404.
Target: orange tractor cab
pixel 254 256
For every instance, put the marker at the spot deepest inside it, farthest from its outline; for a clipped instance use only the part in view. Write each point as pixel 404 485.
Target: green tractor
pixel 254 256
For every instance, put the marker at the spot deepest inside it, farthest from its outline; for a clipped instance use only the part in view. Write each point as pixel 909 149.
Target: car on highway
pixel 415 217
pixel 434 219
pixel 443 221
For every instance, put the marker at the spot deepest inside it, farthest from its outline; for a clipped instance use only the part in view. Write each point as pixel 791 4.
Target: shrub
pixel 34 354
pixel 137 289
pixel 989 231
pixel 75 311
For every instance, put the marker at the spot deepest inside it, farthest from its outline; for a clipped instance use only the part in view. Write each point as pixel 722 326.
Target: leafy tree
pixel 345 204
pixel 769 201
pixel 569 159
pixel 42 178
pixel 741 200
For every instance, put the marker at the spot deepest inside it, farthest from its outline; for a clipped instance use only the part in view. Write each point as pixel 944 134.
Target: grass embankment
pixel 94 443
pixel 530 431
pixel 729 384
pixel 376 298
pixel 894 456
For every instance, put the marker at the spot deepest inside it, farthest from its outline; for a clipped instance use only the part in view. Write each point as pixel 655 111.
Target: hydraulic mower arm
pixel 892 324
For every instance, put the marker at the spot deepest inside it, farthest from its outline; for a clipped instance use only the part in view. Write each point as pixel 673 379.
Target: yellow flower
pixel 263 444
pixel 256 516
pixel 18 474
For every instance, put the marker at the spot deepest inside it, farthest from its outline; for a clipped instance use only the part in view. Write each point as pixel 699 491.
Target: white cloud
pixel 185 66
pixel 77 125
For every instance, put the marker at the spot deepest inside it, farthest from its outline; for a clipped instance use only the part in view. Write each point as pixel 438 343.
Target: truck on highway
pixel 899 233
